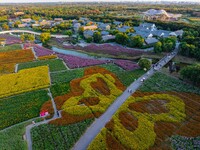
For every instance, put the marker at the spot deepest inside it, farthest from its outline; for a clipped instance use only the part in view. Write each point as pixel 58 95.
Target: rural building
pixel 92 27
pixel 153 14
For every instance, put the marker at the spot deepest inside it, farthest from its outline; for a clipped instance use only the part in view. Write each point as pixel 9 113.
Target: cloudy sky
pixel 32 1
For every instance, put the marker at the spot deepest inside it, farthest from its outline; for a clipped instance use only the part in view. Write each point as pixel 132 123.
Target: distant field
pixel 194 19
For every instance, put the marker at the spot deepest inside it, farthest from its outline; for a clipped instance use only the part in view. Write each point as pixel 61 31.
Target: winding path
pixel 29 127
pixel 32 32
pixel 99 123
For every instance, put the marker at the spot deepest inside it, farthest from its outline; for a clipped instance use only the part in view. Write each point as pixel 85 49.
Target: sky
pixel 32 1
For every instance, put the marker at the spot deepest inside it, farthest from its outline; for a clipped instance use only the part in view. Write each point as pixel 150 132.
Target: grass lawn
pixel 54 64
pixel 66 76
pixel 160 82
pixel 49 136
pixel 12 138
pixel 10 47
pixel 22 107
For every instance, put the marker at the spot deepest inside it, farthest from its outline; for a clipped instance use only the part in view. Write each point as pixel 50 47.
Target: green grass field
pixel 10 48
pixel 160 82
pixel 22 107
pixel 54 64
pixel 50 137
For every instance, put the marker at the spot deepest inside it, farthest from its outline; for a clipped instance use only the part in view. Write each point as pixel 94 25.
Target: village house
pixel 92 27
pixel 123 29
pixel 76 27
pixel 104 33
pixel 35 25
pixel 151 40
pixel 117 23
pixel 103 26
pixel 18 13
pixel 22 25
pixel 108 37
pixel 45 23
pixel 58 19
pixel 28 20
pixel 88 33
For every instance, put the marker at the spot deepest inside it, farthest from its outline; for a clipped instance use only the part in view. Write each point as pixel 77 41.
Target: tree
pixel 158 47
pixel 68 32
pixel 168 44
pixel 81 30
pixel 17 23
pixel 97 37
pixel 191 73
pixel 145 63
pixel 45 37
pixel 30 37
pixel 22 37
pixel 136 41
pixel 89 40
pixel 5 26
pixel 121 38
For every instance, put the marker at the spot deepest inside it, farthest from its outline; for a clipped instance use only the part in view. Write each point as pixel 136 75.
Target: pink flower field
pixel 11 39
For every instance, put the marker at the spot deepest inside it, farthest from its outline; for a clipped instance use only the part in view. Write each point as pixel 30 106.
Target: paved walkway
pixel 99 123
pixel 32 32
pixel 29 127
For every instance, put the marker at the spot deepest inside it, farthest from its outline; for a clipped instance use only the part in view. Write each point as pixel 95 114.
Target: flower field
pixel 58 137
pixel 9 59
pixel 110 49
pixel 148 120
pixel 54 64
pixel 39 50
pixel 89 97
pixel 47 57
pixel 78 62
pixel 126 64
pixel 152 120
pixel 24 81
pixel 10 39
pixel 21 107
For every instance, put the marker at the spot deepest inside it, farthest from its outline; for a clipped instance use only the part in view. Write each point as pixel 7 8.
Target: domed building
pixel 153 14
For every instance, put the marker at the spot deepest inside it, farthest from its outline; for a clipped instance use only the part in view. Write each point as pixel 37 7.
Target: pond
pixel 76 53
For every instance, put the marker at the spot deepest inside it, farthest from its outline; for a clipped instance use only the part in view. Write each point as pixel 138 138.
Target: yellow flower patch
pixel 24 81
pixel 144 135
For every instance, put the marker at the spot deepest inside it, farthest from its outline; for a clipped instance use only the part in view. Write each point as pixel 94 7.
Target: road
pixel 29 127
pixel 99 123
pixel 32 32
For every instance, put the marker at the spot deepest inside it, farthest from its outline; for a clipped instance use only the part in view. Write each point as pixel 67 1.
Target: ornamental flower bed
pixel 126 64
pixel 148 120
pixel 24 81
pixel 78 62
pixel 10 39
pixel 39 50
pixel 89 97
pixel 9 59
